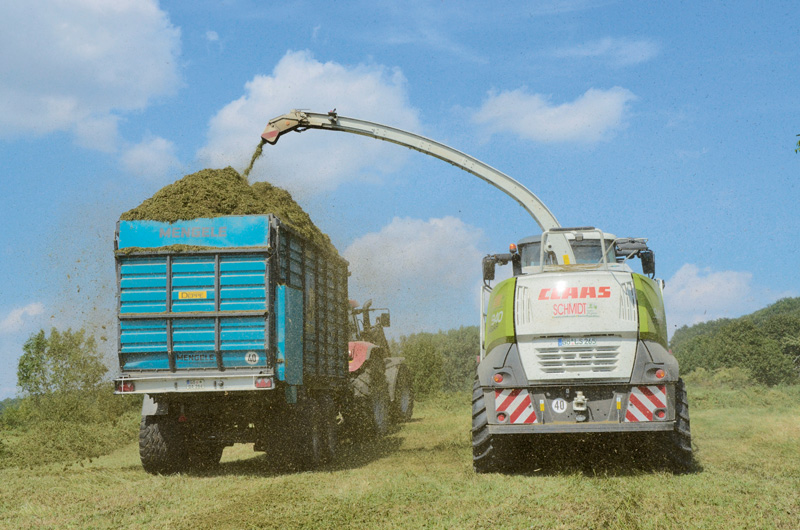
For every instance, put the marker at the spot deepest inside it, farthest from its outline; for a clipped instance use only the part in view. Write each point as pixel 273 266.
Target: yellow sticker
pixel 192 295
pixel 566 259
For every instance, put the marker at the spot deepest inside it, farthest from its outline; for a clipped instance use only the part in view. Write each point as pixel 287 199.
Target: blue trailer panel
pixel 240 294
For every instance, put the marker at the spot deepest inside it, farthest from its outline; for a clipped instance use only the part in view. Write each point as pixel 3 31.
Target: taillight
pixel 263 382
pixel 501 417
pixel 660 373
pixel 498 378
pixel 125 386
pixel 660 414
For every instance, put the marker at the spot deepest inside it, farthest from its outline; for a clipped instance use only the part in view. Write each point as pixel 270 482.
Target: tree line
pixel 765 344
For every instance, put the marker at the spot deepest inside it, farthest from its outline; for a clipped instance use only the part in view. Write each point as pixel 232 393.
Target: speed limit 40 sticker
pixel 559 405
pixel 251 357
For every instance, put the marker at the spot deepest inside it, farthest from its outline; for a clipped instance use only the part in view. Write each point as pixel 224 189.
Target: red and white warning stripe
pixel 644 400
pixel 516 402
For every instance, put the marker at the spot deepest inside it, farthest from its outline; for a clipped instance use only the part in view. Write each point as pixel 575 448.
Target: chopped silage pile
pixel 218 192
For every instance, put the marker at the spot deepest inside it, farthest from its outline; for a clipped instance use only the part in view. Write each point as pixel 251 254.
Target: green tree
pixel 424 361
pixel 460 349
pixel 61 362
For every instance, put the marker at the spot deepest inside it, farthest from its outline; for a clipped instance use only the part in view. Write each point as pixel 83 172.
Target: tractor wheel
pixel 484 445
pixel 403 405
pixel 379 411
pixel 161 445
pixel 679 441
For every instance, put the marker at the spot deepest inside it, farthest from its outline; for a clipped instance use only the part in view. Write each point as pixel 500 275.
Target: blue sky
pixel 673 121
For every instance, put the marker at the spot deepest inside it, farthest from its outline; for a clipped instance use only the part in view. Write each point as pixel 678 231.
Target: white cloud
pixel 15 320
pixel 591 118
pixel 152 158
pixel 695 295
pixel 71 66
pixel 212 36
pixel 316 161
pixel 425 271
pixel 618 52
pixel 98 132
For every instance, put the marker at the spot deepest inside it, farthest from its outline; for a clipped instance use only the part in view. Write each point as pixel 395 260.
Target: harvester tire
pixel 161 445
pixel 679 443
pixel 403 405
pixel 484 446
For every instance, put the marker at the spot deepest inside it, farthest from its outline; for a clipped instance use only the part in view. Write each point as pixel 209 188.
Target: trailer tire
pixel 484 445
pixel 330 428
pixel 679 441
pixel 161 445
pixel 203 455
pixel 403 405
pixel 310 442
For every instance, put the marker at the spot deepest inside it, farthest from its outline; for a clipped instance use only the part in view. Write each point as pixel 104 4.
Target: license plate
pixel 194 384
pixel 577 341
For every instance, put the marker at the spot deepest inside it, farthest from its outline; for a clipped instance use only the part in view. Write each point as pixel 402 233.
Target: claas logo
pixel 497 302
pixel 575 293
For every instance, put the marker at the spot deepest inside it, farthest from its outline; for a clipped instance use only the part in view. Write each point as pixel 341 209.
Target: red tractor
pixel 382 387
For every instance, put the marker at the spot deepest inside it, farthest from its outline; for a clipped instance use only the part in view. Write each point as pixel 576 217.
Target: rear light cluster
pixel 125 386
pixel 263 382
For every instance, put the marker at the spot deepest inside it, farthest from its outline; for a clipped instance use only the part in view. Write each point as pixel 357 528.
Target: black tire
pixel 371 412
pixel 679 442
pixel 162 446
pixel 379 412
pixel 403 404
pixel 203 455
pixel 330 428
pixel 484 445
pixel 310 435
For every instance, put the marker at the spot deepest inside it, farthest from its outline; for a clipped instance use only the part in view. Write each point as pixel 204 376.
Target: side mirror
pixel 488 269
pixel 491 260
pixel 384 320
pixel 648 262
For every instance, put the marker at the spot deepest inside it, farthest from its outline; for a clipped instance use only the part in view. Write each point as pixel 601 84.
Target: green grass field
pixel 747 442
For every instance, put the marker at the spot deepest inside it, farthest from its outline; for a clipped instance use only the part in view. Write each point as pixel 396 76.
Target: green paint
pixel 652 317
pixel 500 314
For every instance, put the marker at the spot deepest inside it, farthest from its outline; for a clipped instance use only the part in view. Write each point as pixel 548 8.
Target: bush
pixel 67 413
pixel 67 426
pixel 443 361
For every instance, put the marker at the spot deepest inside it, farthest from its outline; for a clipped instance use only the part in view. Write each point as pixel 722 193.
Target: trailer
pixel 235 330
